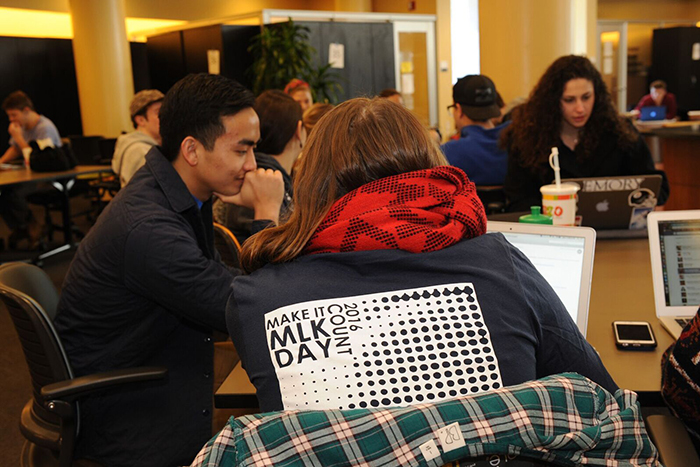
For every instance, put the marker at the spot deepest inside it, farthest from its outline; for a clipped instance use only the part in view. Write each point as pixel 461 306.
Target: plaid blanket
pixel 563 420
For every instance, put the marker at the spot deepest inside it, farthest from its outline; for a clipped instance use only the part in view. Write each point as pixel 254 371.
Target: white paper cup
pixel 26 153
pixel 560 203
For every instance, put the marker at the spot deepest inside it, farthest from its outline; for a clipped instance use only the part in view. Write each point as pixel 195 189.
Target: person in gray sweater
pixel 131 148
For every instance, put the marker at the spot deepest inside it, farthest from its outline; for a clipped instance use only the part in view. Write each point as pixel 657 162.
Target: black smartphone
pixel 634 335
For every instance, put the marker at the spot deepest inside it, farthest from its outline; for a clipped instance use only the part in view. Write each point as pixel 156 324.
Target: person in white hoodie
pixel 131 148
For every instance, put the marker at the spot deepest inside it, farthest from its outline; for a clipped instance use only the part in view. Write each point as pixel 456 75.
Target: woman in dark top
pixel 382 288
pixel 282 137
pixel 570 108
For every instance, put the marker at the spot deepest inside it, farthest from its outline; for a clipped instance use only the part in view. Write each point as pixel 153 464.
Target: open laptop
pixel 674 243
pixel 564 257
pixel 648 114
pixel 616 202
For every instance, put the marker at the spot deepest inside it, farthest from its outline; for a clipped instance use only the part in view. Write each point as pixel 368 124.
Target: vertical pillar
pixel 102 65
pixel 444 59
pixel 520 39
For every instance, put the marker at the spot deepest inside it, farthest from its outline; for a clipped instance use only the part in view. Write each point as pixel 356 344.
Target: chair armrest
pixel 672 440
pixel 73 389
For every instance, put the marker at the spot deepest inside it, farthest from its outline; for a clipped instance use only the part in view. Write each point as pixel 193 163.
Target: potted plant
pixel 282 52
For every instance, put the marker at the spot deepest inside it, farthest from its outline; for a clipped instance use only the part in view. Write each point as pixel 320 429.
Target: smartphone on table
pixel 634 335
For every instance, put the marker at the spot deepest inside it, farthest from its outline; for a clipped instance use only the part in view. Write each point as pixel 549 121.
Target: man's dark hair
pixel 194 107
pixel 388 93
pixel 658 84
pixel 279 117
pixel 17 101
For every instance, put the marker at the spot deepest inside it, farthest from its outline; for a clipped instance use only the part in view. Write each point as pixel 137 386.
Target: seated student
pixel 658 96
pixel 300 92
pixel 26 125
pixel 313 114
pixel 282 137
pixel 391 94
pixel 476 151
pixel 570 108
pixel 147 287
pixel 382 289
pixel 680 377
pixel 131 149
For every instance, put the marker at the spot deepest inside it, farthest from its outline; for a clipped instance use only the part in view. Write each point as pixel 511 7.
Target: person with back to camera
pixel 282 137
pixel 382 288
pixel 570 108
pixel 300 92
pixel 475 105
pixel 659 96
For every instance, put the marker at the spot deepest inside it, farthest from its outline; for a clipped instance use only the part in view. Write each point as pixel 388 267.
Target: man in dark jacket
pixel 147 287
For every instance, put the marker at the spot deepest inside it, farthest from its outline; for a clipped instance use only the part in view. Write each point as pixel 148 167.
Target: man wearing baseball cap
pixel 131 148
pixel 476 151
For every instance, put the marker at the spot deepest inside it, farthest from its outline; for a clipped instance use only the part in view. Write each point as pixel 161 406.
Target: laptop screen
pixel 559 260
pixel 679 241
pixel 653 113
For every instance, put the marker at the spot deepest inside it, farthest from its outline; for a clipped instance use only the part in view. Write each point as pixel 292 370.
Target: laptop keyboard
pixel 682 321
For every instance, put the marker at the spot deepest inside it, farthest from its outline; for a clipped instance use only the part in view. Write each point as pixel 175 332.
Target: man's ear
pixel 189 149
pixel 140 120
pixel 459 110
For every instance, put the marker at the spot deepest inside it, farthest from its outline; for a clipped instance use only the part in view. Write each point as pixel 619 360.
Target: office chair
pixel 50 420
pixel 227 245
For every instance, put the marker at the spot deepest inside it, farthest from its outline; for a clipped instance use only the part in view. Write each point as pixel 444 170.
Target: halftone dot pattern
pixel 388 349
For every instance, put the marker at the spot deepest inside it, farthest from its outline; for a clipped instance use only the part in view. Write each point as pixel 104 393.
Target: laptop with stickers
pixel 564 257
pixel 674 244
pixel 616 202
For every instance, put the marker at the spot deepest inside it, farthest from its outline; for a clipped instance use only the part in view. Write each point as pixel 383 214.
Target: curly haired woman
pixel 570 108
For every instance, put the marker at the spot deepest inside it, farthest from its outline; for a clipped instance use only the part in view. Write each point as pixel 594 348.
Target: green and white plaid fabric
pixel 563 420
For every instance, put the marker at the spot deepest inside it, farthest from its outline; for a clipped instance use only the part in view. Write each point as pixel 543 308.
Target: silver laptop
pixel 564 257
pixel 621 202
pixel 674 243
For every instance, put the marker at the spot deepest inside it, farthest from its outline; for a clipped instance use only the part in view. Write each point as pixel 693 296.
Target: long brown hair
pixel 359 141
pixel 536 126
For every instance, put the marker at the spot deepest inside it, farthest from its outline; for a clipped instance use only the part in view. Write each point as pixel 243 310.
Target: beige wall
pixel 652 10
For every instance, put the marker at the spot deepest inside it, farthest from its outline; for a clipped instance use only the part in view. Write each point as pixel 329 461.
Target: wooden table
pixel 621 290
pixel 62 182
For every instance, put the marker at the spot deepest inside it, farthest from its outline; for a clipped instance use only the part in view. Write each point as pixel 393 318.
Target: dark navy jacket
pixel 146 287
pixel 478 154
pixel 388 327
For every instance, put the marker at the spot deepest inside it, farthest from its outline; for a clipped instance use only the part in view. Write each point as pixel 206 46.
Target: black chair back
pixel 493 198
pixel 31 299
pixel 86 149
pixel 106 146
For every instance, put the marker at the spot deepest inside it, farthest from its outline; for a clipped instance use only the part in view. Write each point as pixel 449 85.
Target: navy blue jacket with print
pixel 391 328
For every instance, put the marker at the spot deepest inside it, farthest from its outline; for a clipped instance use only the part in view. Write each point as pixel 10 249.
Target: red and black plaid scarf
pixel 425 210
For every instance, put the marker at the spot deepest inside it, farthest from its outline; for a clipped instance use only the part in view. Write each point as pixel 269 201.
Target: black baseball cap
pixel 476 95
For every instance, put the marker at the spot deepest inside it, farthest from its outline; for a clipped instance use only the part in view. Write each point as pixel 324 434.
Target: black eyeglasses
pixel 450 107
